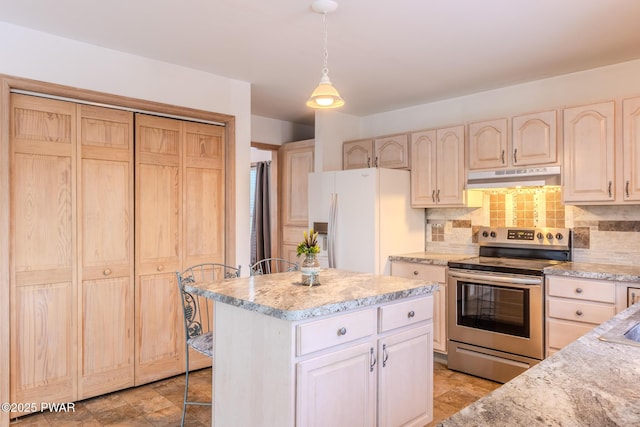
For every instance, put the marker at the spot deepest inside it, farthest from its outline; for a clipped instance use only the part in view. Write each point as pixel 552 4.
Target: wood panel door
pixel 631 147
pixel 203 218
pixel 392 152
pixel 423 168
pixel 535 139
pixel 43 354
pixel 105 255
pixel 158 249
pixel 588 173
pixel 488 144
pixel 450 166
pixel 357 154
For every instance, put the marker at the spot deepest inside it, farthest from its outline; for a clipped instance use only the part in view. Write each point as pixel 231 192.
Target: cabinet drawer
pixel 580 311
pixel 562 333
pixel 325 333
pixel 414 270
pixel 584 289
pixel 405 313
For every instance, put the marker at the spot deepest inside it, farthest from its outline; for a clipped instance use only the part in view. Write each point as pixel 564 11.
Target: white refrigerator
pixel 369 217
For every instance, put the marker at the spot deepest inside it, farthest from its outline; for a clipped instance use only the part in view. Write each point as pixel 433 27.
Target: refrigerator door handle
pixel 332 229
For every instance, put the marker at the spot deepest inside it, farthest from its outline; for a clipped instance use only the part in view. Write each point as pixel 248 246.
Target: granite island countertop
pixel 433 258
pixel 282 296
pixel 588 383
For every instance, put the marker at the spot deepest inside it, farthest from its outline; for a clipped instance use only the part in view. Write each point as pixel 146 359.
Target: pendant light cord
pixel 325 69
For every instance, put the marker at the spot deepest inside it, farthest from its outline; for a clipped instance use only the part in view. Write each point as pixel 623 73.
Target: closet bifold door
pixel 43 337
pixel 105 256
pixel 204 212
pixel 159 329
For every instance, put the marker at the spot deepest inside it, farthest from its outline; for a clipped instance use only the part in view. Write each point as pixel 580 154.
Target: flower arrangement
pixel 309 245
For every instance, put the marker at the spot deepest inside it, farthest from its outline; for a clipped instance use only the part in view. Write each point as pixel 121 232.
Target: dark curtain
pixel 261 227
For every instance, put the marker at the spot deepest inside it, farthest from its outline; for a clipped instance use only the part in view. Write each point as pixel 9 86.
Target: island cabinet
pixel 431 273
pixel 437 175
pixel 533 140
pixel 369 363
pixel 390 151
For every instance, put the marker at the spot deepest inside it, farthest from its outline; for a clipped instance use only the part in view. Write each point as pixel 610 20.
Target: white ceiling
pixel 383 55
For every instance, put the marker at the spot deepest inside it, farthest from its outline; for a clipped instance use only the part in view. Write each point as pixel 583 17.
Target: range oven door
pixel 497 311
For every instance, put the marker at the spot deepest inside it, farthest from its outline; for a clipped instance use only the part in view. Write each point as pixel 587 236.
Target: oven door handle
pixel 497 279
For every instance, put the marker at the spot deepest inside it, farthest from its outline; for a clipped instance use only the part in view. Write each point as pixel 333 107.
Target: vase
pixel 310 270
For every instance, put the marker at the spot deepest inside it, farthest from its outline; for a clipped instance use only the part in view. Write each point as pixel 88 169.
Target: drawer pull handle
pixel 411 314
pixel 578 290
pixel 160 268
pixel 106 272
pixel 342 331
pixel 579 313
pixel 415 273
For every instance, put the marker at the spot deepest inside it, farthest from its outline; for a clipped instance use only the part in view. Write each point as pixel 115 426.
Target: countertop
pixel 282 296
pixel 429 257
pixel 587 383
pixel 620 273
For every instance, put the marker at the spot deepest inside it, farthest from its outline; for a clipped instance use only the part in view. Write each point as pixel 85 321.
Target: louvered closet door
pixel 105 257
pixel 158 205
pixel 44 313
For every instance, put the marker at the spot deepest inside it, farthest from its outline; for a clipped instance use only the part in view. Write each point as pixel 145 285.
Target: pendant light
pixel 325 95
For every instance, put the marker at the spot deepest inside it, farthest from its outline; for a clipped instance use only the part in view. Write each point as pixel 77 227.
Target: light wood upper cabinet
pixel 532 140
pixel 44 315
pixel 390 151
pixel 295 162
pixel 488 144
pixel 631 149
pixel 357 154
pixel 105 257
pixel 437 175
pixel 589 153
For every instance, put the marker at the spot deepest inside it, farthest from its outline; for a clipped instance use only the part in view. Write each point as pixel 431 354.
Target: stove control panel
pixel 524 236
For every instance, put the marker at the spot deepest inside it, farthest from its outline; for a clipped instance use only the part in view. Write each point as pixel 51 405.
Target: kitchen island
pixel 588 383
pixel 355 350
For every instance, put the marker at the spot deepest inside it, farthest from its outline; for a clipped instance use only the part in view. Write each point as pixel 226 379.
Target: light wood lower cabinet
pixel 574 306
pixel 368 367
pixel 432 273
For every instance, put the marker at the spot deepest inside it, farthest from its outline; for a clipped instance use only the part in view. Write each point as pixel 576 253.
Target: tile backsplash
pixel 602 234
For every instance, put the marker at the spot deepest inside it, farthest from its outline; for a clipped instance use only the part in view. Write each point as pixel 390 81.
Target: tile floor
pixel 160 403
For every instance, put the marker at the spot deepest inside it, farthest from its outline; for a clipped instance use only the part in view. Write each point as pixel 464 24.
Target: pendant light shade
pixel 325 95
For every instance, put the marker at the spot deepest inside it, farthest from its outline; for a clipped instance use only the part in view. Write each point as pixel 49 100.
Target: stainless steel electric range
pixel 496 301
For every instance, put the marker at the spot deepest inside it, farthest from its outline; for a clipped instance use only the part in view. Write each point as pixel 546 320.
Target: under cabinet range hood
pixel 515 177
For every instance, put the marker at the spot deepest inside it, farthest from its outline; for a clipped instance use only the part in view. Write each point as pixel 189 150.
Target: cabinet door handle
pixel 502 157
pixel 342 331
pixel 609 188
pixel 372 360
pixel 433 196
pixel 579 313
pixel 385 355
pixel 626 188
pixel 368 162
pixel 438 196
pixel 578 290
pixel 633 298
pixel 515 156
pixel 375 163
pixel 411 314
